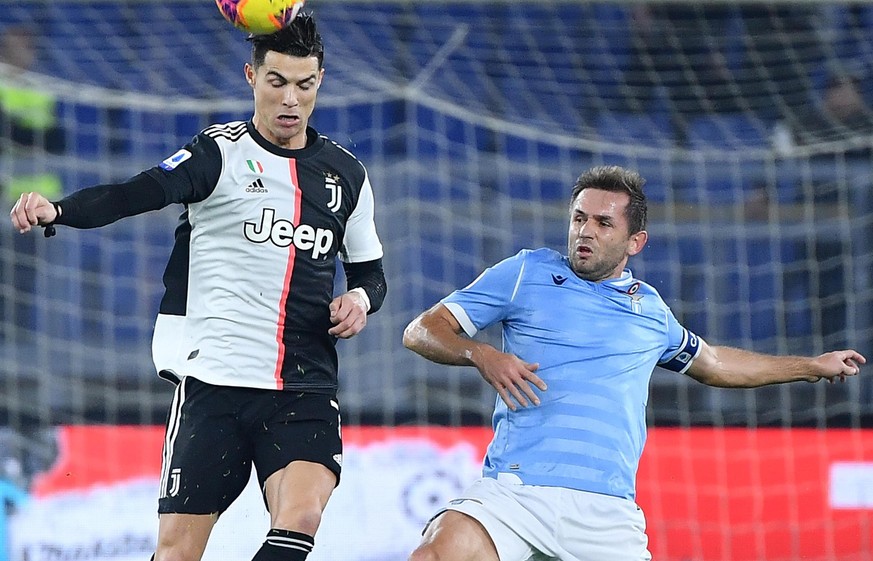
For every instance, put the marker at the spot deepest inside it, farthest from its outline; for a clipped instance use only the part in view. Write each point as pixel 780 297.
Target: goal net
pixel 751 123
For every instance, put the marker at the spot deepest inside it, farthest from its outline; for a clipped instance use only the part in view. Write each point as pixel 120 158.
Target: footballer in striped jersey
pixel 248 323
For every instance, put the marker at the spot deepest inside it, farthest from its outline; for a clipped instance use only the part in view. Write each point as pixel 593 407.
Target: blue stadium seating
pixel 86 140
pixel 756 283
pixel 584 51
pixel 536 187
pixel 439 133
pixel 432 181
pixel 715 182
pixel 657 266
pixel 607 52
pixel 646 129
pixel 733 131
pixel 433 272
pixel 695 262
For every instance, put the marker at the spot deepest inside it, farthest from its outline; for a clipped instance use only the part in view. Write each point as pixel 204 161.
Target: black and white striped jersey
pixel 251 275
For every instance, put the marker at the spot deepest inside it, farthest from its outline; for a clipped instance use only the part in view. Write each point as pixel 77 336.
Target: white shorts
pixel 528 522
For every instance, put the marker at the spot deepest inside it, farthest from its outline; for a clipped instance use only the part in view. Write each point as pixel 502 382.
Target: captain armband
pixel 689 349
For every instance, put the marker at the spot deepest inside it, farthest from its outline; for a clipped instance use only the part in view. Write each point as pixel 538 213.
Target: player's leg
pixel 298 453
pixel 297 496
pixel 597 527
pixel 205 467
pixel 454 536
pixel 183 537
pixel 487 521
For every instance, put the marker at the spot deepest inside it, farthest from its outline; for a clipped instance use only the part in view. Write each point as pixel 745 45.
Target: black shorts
pixel 216 433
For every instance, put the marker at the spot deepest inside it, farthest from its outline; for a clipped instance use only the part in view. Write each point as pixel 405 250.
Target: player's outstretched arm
pixel 95 206
pixel 32 209
pixel 728 367
pixel 437 336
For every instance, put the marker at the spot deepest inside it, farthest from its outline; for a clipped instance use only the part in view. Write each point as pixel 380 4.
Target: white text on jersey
pixel 283 233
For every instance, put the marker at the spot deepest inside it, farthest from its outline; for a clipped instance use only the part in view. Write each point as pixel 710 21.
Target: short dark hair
pixel 299 38
pixel 620 180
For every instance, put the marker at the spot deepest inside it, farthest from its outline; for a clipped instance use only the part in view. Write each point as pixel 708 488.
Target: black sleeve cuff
pixel 370 277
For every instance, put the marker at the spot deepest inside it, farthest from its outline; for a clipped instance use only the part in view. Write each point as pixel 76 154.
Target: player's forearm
pixel 737 368
pixel 104 204
pixel 369 277
pixel 434 338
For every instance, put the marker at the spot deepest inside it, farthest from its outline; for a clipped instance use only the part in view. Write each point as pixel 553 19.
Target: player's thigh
pixel 183 537
pixel 298 427
pixel 455 536
pixel 517 528
pixel 207 458
pixel 297 495
pixel 602 528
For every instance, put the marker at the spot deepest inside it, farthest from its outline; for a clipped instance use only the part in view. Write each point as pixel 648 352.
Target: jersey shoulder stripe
pixel 344 162
pixel 230 131
pixel 343 149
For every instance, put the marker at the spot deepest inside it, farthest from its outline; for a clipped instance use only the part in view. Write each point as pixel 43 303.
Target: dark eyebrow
pixel 274 74
pixel 599 217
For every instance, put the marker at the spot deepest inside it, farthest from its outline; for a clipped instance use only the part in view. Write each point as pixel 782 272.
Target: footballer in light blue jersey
pixel 596 344
pixel 581 337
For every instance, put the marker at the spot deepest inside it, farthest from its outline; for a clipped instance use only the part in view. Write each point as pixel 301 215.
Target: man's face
pixel 598 243
pixel 844 100
pixel 285 88
pixel 17 49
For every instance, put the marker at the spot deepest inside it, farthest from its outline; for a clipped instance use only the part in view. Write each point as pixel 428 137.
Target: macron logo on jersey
pixel 282 233
pixel 170 163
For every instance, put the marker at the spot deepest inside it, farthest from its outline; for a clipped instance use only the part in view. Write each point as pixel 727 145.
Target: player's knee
pixel 303 519
pixel 175 554
pixel 424 552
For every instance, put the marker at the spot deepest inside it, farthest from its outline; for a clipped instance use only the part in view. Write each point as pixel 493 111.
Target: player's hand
pixel 348 313
pixel 837 365
pixel 30 210
pixel 511 377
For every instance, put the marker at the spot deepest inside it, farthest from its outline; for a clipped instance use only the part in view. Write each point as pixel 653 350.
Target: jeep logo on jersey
pixel 283 233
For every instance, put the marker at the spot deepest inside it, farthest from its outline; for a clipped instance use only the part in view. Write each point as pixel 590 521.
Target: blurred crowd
pixel 802 65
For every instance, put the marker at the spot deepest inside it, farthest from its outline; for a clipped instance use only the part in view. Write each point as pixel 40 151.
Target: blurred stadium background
pixel 752 123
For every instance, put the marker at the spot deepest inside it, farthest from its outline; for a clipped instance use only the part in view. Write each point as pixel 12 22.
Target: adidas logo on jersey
pixel 257 186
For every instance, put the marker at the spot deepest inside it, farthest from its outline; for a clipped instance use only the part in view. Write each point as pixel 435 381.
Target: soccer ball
pixel 259 17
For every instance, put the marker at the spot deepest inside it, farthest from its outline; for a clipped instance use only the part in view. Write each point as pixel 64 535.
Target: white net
pixel 474 119
pixel 751 123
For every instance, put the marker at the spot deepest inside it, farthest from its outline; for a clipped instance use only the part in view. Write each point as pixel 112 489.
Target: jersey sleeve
pixel 487 299
pixel 100 205
pixel 191 174
pixel 361 242
pixel 684 346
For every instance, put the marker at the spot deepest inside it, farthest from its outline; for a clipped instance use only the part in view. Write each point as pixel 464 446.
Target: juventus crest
pixel 331 183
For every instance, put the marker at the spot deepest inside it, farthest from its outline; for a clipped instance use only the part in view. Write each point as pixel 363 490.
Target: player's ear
pixel 320 78
pixel 637 242
pixel 250 74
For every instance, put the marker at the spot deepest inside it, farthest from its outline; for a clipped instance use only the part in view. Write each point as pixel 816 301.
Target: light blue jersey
pixel 597 345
